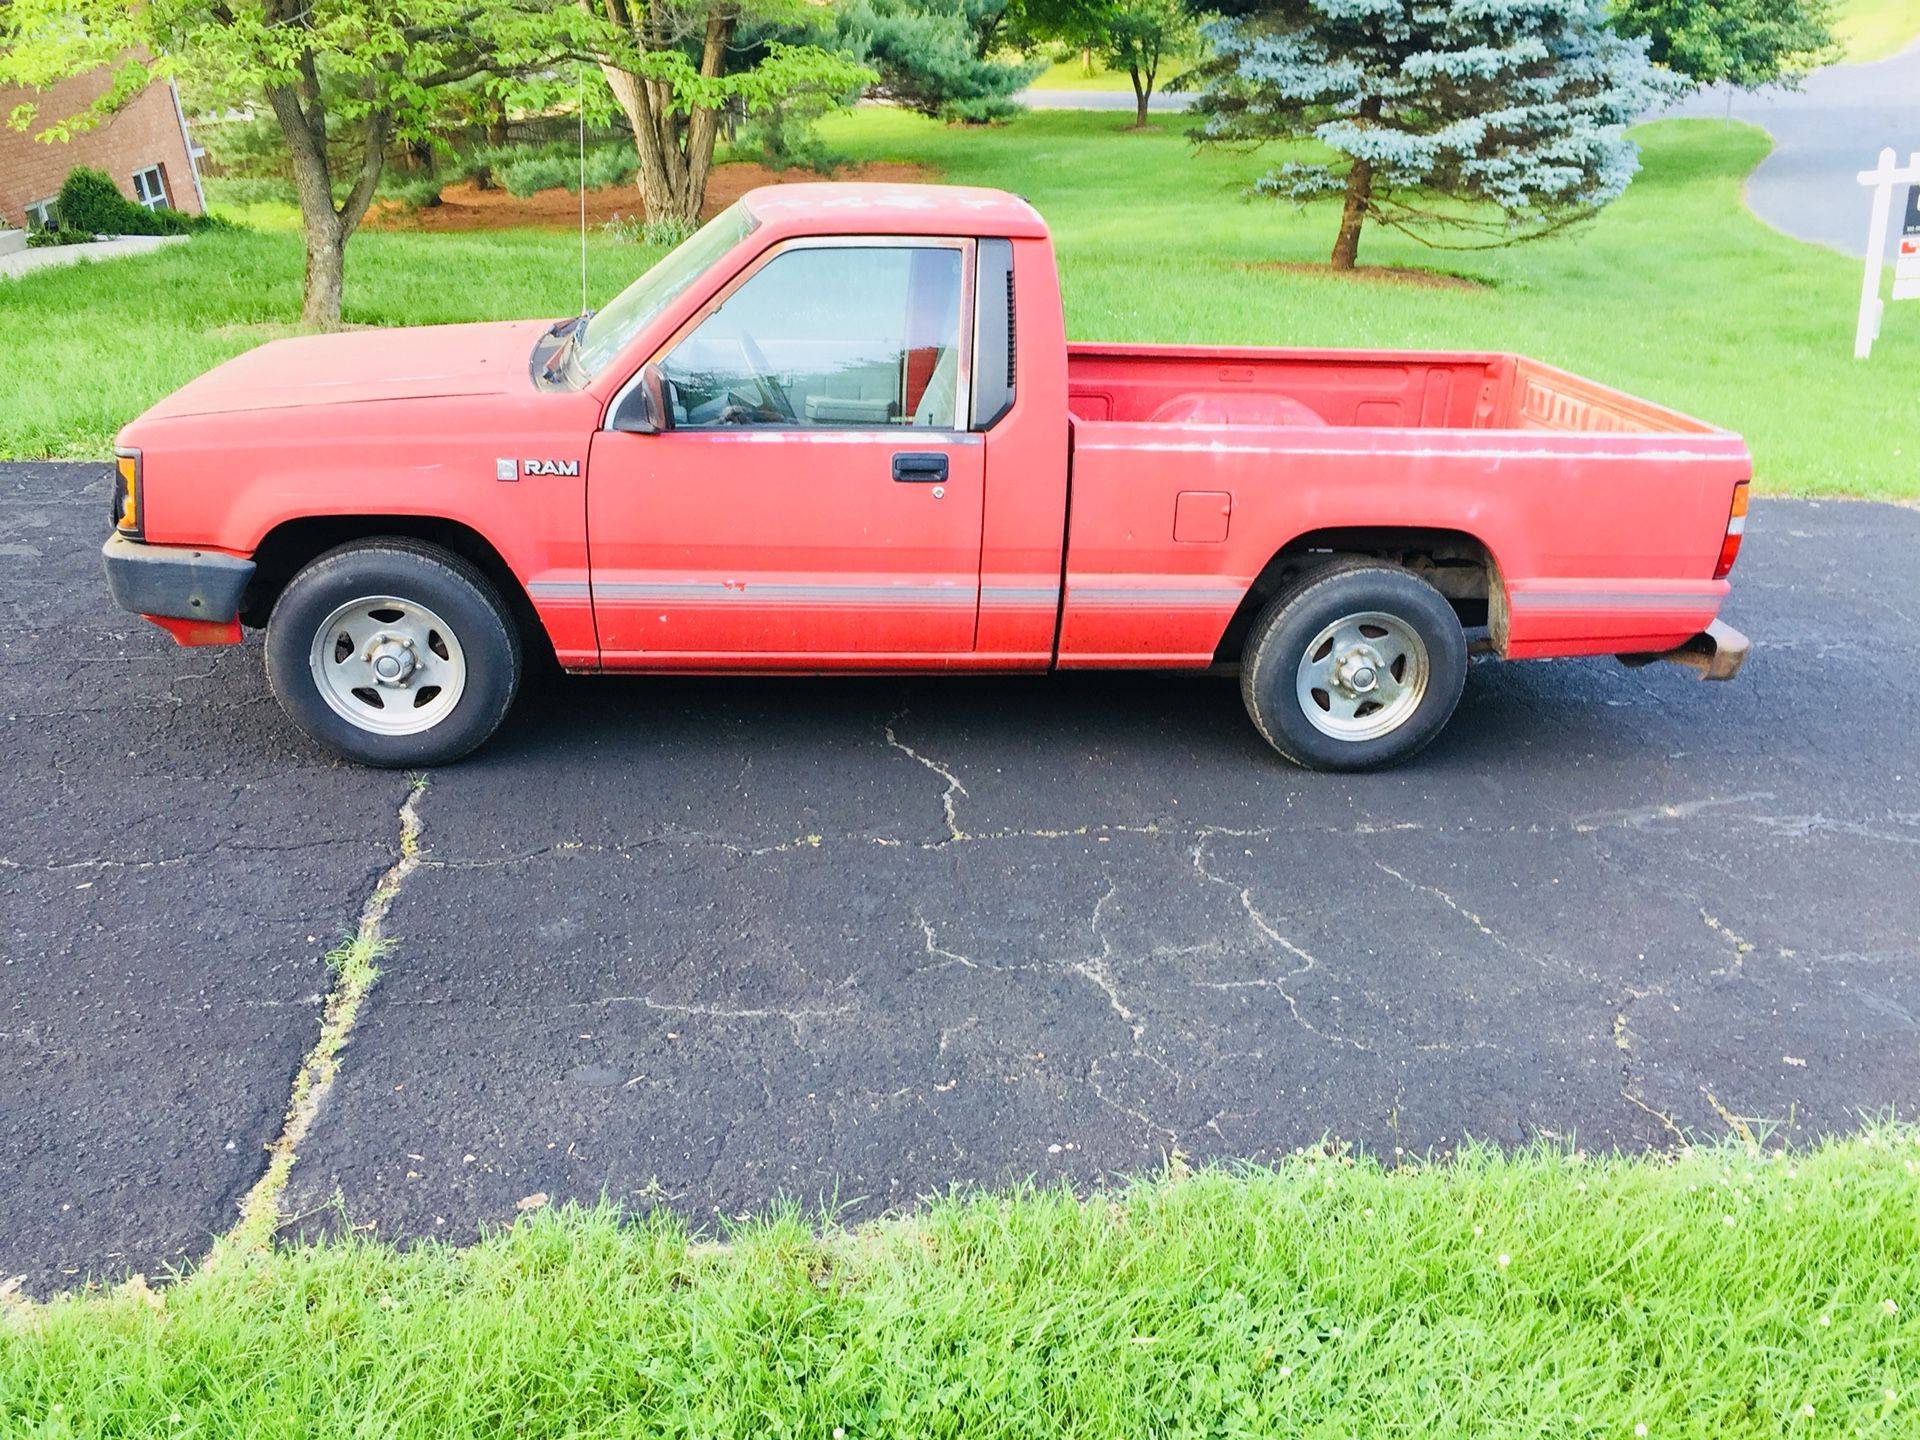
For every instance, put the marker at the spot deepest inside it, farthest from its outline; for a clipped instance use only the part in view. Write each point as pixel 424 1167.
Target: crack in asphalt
pixel 1452 904
pixel 954 787
pixel 1741 947
pixel 1791 827
pixel 356 973
pixel 1265 927
pixel 1629 1086
pixel 1094 967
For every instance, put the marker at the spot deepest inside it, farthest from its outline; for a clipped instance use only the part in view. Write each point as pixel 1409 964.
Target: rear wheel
pixel 1357 666
pixel 393 653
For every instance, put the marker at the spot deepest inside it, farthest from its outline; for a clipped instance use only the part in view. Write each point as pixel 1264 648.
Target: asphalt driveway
pixel 703 943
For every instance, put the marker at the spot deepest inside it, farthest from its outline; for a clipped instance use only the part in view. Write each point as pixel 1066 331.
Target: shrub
pixel 91 204
pixel 416 192
pixel 783 138
pixel 558 168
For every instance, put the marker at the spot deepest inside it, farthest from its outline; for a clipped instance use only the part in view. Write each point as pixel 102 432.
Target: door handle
pixel 920 467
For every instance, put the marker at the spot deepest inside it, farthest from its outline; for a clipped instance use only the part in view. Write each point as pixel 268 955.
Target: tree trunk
pixel 326 227
pixel 1142 92
pixel 675 155
pixel 1353 214
pixel 326 272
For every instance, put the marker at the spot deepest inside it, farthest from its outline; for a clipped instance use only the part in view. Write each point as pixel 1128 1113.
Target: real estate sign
pixel 1906 283
pixel 1906 264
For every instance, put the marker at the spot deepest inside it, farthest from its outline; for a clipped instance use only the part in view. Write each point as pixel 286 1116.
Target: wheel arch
pixel 1460 565
pixel 293 544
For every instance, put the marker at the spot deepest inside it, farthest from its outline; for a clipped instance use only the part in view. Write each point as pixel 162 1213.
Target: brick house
pixel 144 147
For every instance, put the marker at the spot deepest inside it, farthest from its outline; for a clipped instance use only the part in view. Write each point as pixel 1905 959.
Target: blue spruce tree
pixel 1462 122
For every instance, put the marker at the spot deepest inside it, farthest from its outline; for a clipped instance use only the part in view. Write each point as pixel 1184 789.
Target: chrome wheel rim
pixel 387 665
pixel 1363 676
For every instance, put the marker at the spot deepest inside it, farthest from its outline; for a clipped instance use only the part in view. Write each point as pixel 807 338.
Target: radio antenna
pixel 583 189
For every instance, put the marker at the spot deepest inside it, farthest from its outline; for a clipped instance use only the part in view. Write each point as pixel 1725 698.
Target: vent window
pixel 993 334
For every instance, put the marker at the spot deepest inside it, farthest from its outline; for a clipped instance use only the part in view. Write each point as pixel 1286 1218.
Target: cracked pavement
pixel 704 943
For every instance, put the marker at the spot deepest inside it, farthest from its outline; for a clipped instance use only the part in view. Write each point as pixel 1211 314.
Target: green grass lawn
pixel 1723 1294
pixel 1875 29
pixel 1677 292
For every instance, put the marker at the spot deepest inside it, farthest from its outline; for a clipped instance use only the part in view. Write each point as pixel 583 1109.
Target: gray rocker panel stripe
pixel 700 592
pixel 1611 599
pixel 1204 596
pixel 1047 595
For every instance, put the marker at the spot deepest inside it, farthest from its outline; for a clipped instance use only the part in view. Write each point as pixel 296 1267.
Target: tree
pixel 343 78
pixel 1744 44
pixel 675 69
pixel 1137 36
pixel 1488 121
pixel 937 56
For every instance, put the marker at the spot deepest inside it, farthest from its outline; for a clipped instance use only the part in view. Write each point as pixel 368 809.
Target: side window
pixel 829 336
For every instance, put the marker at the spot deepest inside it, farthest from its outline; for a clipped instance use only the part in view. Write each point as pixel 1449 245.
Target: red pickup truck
pixel 841 429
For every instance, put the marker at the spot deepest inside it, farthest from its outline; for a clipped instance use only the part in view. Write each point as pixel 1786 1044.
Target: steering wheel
pixel 770 389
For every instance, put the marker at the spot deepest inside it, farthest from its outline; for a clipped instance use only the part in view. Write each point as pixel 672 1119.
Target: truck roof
pixel 864 208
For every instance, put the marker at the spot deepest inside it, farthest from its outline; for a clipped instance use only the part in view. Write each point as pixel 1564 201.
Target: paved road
pixel 1158 102
pixel 1824 135
pixel 22 262
pixel 700 943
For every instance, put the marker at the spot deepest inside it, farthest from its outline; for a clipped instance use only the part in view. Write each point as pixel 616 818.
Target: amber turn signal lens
pixel 127 508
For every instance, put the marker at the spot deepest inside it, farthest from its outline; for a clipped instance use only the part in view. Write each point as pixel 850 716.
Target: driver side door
pixel 816 496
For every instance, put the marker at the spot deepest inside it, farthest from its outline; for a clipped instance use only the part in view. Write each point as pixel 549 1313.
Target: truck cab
pixel 841 429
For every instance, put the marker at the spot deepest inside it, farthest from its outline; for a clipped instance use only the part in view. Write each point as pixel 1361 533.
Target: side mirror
pixel 643 409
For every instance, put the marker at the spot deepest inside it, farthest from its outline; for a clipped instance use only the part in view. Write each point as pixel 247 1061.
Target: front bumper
pixel 1716 653
pixel 173 582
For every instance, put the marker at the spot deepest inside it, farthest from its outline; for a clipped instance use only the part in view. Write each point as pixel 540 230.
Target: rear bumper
pixel 1716 653
pixel 172 582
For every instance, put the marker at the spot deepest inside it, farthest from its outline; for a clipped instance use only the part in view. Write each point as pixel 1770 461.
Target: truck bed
pixel 1601 514
pixel 1374 389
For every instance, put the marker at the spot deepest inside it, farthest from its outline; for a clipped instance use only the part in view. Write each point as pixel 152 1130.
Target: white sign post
pixel 1883 179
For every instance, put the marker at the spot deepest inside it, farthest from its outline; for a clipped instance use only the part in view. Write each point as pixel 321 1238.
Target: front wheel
pixel 393 653
pixel 1355 667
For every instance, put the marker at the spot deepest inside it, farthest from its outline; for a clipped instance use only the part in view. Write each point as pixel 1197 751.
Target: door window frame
pixel 152 180
pixel 962 417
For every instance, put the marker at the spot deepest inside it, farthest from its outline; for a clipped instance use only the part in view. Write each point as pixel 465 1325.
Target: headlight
pixel 126 492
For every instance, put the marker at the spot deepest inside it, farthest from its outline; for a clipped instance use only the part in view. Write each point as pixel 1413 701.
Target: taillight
pixel 126 492
pixel 1736 528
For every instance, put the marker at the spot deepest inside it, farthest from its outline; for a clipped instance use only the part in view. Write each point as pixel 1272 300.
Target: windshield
pixel 628 313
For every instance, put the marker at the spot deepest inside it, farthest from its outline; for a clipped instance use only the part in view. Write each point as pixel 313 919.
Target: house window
pixel 150 187
pixel 44 215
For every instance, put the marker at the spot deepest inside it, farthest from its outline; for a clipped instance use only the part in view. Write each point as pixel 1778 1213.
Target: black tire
pixel 454 595
pixel 1271 679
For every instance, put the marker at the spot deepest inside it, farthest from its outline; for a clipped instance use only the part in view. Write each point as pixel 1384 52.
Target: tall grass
pixel 1724 1293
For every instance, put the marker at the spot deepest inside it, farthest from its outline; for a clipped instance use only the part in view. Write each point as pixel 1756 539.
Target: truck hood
pixel 408 364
